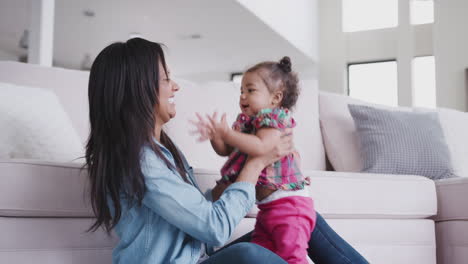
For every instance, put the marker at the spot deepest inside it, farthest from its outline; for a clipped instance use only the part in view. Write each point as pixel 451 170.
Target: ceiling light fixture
pixel 23 43
pixel 88 13
pixel 195 36
pixel 134 35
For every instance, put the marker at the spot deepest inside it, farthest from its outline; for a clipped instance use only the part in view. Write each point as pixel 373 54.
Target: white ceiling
pixel 232 37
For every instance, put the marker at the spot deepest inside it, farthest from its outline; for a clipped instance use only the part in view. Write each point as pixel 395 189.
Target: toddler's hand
pixel 202 129
pixel 210 128
pixel 218 128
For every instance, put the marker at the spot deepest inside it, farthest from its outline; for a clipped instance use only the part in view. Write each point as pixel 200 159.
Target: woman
pixel 142 186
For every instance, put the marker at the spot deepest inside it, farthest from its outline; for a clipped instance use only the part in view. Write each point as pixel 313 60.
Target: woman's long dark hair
pixel 123 94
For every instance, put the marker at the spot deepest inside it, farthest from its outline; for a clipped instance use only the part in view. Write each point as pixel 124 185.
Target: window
pixel 236 77
pixel 361 15
pixel 424 82
pixel 374 82
pixel 422 12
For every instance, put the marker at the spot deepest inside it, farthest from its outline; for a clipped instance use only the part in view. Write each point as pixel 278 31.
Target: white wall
pixel 451 52
pixel 205 77
pixel 305 72
pixel 295 20
pixel 4 55
pixel 332 48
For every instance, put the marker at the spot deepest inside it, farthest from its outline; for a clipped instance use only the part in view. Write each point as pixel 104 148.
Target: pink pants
pixel 284 227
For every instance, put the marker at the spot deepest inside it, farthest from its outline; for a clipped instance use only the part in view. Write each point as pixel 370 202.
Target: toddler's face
pixel 255 95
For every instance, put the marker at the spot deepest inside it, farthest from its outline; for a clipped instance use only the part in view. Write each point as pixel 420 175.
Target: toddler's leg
pixel 291 239
pixel 260 235
pixel 290 221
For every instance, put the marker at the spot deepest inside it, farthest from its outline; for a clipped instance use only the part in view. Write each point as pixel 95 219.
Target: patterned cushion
pixel 398 142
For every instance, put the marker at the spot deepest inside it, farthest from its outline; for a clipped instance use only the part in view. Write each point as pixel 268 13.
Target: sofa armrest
pixel 452 221
pixel 452 199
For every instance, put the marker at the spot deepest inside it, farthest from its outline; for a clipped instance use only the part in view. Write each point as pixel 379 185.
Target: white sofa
pixel 388 218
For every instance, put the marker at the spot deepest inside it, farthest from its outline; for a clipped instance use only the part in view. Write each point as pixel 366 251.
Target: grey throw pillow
pixel 400 142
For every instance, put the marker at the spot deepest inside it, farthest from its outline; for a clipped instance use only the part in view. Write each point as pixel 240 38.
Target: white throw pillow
pixel 35 126
pixel 455 126
pixel 339 133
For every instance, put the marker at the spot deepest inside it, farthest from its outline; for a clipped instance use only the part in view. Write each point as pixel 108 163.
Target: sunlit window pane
pixel 422 12
pixel 424 82
pixel 361 15
pixel 374 82
pixel 236 77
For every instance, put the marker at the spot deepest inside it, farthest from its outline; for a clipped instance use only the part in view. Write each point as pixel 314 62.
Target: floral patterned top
pixel 283 174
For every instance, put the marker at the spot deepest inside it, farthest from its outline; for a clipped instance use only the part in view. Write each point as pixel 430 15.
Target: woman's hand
pixel 218 128
pixel 255 164
pixel 283 147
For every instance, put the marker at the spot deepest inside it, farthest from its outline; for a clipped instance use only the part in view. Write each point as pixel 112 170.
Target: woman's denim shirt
pixel 175 218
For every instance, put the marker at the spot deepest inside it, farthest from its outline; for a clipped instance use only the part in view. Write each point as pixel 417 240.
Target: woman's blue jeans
pixel 244 253
pixel 325 247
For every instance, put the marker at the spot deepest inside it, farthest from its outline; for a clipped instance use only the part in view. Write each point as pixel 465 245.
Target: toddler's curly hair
pixel 279 75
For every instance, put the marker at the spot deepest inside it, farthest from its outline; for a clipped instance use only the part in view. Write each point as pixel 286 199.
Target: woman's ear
pixel 277 98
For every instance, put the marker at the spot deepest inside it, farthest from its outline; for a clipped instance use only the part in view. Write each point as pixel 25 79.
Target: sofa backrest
pixel 71 88
pixel 224 97
pixel 342 144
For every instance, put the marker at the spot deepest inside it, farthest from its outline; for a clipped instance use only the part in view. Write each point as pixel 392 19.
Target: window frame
pixel 348 90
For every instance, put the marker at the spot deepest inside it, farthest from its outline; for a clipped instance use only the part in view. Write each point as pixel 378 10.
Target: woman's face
pixel 166 108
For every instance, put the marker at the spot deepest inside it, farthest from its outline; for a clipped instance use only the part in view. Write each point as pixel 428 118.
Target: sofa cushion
pixel 384 240
pixel 389 241
pixel 360 195
pixel 398 142
pixel 34 125
pixel 42 189
pixel 30 188
pixel 452 199
pixel 373 196
pixel 206 98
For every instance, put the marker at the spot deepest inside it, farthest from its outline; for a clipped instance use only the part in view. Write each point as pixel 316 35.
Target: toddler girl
pixel 286 215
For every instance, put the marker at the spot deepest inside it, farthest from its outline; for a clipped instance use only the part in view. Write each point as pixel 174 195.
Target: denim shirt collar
pixel 188 169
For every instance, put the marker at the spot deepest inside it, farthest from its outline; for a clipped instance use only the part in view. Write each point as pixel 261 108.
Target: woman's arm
pixel 184 206
pixel 283 146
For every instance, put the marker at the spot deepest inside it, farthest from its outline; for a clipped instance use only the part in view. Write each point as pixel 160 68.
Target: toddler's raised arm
pixel 253 145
